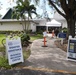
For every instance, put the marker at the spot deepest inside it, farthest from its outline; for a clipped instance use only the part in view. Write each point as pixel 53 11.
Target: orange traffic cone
pixel 44 42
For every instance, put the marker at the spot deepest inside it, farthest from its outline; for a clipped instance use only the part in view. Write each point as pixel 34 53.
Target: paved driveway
pixel 44 61
pixel 49 57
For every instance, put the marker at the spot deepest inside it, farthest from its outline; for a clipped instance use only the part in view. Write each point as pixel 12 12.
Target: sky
pixel 5 4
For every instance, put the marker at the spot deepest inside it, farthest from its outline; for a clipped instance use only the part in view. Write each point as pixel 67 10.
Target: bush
pixel 4 63
pixel 26 54
pixel 8 32
pixel 39 32
pixel 25 39
pixel 65 30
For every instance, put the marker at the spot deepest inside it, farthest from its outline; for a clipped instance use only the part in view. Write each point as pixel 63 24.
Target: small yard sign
pixel 62 35
pixel 14 50
pixel 71 52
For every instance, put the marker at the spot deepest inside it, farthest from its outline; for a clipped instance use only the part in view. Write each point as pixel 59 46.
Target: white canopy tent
pixel 53 23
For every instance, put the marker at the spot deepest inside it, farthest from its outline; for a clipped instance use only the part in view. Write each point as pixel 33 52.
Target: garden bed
pixel 4 62
pixel 61 46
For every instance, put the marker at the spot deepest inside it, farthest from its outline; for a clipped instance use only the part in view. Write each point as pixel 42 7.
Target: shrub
pixel 39 32
pixel 25 39
pixel 4 63
pixel 8 32
pixel 65 30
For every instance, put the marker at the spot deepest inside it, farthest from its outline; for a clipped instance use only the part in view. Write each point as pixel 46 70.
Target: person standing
pixel 44 33
pixel 53 34
pixel 56 32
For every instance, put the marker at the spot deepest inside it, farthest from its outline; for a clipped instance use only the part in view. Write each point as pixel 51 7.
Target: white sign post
pixel 14 50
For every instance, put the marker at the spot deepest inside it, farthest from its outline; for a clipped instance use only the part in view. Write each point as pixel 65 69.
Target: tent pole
pixel 47 28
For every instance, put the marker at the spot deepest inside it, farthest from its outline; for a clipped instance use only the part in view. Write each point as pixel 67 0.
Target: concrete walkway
pixel 49 57
pixel 44 61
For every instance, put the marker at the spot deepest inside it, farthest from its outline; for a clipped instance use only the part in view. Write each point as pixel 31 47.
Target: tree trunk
pixel 71 27
pixel 28 24
pixel 25 25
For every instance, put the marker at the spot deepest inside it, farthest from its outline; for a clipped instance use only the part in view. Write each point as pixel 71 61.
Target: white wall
pixel 12 26
pixel 33 27
pixel 42 23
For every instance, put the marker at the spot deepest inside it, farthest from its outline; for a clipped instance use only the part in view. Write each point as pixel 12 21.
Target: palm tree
pixel 23 7
pixel 30 9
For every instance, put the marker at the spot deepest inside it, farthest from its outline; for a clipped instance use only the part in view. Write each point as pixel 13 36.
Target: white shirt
pixel 44 34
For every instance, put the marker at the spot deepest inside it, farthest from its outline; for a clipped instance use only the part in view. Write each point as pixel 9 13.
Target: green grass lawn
pixel 2 36
pixel 26 54
pixel 35 37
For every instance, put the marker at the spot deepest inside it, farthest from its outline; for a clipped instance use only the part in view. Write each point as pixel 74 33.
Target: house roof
pixel 8 15
pixel 20 20
pixel 8 18
pixel 58 17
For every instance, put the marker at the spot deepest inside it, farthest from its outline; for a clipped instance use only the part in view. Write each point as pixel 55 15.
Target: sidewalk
pixel 44 61
pixel 49 57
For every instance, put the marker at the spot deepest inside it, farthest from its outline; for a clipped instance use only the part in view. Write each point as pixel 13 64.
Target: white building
pixel 8 24
pixel 60 19
pixel 18 25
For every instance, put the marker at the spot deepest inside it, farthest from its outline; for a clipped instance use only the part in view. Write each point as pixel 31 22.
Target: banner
pixel 14 50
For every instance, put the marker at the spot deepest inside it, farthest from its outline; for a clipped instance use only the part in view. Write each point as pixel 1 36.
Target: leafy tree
pixel 69 12
pixel 0 15
pixel 23 7
pixel 0 9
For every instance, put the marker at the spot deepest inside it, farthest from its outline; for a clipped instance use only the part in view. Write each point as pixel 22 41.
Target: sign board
pixel 71 52
pixel 62 35
pixel 14 50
